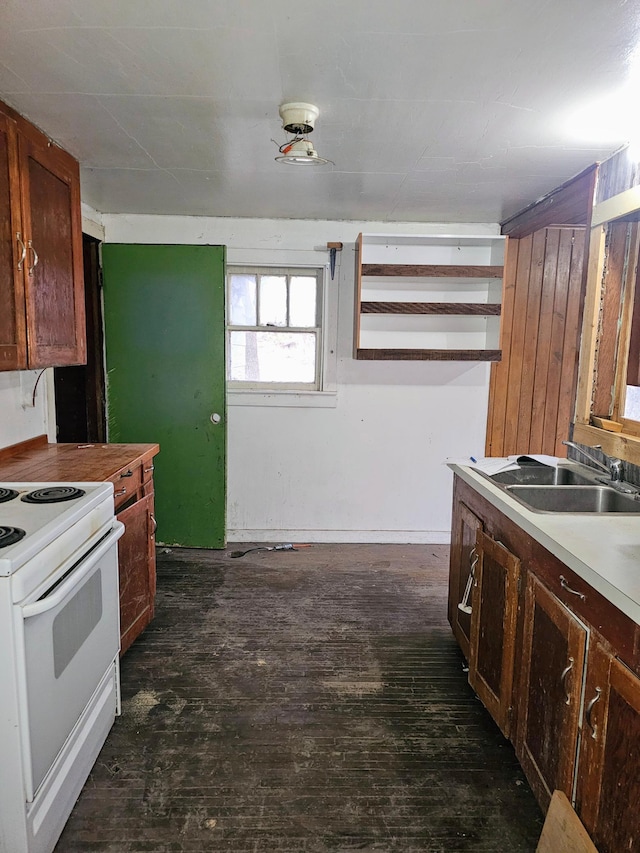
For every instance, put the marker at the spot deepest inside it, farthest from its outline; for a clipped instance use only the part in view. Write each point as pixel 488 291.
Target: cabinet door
pixel 462 558
pixel 549 691
pixel 13 354
pixel 137 569
pixel 609 770
pixel 493 628
pixel 53 280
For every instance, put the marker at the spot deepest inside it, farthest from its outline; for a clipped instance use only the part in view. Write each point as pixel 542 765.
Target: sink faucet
pixel 614 467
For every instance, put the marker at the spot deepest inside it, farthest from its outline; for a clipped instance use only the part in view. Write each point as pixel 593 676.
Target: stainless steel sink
pixel 538 475
pixel 577 499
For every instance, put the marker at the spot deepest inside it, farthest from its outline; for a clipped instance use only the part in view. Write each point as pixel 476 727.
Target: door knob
pixel 215 418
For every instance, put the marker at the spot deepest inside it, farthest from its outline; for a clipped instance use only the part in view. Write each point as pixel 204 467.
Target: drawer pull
pixel 155 524
pixel 128 473
pixel 120 492
pixel 563 680
pixel 589 711
pixel 150 468
pixel 564 584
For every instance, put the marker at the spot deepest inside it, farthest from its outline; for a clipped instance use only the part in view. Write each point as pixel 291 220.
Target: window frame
pixel 276 389
pixel 622 210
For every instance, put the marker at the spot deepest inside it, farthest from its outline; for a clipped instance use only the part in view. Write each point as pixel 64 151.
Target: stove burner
pixel 10 535
pixel 7 495
pixel 53 495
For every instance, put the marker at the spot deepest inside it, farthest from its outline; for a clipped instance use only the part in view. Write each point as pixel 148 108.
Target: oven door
pixel 70 637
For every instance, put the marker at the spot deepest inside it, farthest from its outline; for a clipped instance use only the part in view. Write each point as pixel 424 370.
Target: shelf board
pixel 428 354
pixel 432 270
pixel 478 309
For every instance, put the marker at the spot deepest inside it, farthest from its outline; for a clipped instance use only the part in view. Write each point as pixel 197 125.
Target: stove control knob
pixel 215 418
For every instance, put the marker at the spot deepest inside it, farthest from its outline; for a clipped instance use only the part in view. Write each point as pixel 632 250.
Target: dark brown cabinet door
pixel 53 275
pixel 608 799
pixel 550 691
pixel 493 628
pixel 136 558
pixel 462 557
pixel 13 355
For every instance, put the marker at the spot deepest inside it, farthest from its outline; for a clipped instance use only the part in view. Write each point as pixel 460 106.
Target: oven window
pixel 76 621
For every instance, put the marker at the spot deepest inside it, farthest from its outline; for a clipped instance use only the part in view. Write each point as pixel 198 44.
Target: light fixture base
pixel 298 117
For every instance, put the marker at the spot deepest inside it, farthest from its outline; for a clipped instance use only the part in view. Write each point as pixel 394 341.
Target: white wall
pixel 368 465
pixel 22 417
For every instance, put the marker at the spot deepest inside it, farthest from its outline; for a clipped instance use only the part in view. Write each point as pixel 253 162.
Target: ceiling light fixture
pixel 299 119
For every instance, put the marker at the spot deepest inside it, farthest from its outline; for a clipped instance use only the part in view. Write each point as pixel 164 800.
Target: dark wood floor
pixel 302 702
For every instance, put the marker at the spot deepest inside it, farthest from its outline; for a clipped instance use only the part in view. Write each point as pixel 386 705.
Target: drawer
pixel 147 468
pixel 126 483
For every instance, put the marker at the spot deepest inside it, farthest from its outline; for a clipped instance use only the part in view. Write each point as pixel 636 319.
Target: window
pixel 274 328
pixel 608 401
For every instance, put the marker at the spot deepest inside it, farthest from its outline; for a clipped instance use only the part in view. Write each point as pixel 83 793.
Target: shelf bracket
pixel 333 248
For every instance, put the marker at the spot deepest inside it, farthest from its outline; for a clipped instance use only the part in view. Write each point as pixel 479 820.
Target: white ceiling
pixel 432 110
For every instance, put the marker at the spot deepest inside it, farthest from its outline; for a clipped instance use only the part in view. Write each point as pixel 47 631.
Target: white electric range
pixel 59 636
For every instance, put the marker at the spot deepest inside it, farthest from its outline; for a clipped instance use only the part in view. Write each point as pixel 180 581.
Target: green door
pixel 165 350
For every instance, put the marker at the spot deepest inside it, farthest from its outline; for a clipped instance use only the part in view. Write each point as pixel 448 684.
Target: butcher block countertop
pixel 36 460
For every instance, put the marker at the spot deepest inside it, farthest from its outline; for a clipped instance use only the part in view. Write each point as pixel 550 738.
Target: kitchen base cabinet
pixel 550 691
pixel 493 627
pixel 575 690
pixel 462 557
pixel 137 564
pixel 608 795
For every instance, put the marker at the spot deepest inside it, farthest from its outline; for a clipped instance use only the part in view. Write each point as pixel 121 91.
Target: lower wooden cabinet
pixel 493 627
pixel 549 692
pixel 608 795
pixel 558 667
pixel 463 559
pixel 137 564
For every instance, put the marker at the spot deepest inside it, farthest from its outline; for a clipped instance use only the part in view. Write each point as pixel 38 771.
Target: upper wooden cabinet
pixel 41 277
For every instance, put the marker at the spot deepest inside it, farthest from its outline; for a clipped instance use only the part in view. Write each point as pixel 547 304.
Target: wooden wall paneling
pixel 631 325
pixel 610 309
pixel 569 204
pixel 571 346
pixel 557 340
pixel 595 262
pixel 543 352
pixel 529 345
pixel 517 336
pixel 499 381
pixel 617 174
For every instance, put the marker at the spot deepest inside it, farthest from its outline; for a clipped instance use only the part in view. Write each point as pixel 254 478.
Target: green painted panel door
pixel 165 351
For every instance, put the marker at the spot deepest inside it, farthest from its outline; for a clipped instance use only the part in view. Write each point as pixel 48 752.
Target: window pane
pixel 272 357
pixel 273 300
pixel 632 403
pixel 302 301
pixel 242 296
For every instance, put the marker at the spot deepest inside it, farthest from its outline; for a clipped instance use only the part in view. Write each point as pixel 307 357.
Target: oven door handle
pixel 51 601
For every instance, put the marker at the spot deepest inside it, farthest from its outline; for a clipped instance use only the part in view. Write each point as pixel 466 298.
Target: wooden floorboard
pixel 303 702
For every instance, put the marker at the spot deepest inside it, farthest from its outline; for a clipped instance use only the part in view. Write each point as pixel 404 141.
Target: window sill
pixel 619 444
pixel 275 399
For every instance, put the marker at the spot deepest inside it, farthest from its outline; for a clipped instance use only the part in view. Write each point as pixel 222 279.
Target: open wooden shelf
pixel 428 355
pixel 428 297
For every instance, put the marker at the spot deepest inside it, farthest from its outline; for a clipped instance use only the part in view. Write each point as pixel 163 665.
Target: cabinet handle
pixel 23 252
pixel 588 713
pixel 563 680
pixel 155 524
pixel 565 585
pixel 150 468
pixel 120 492
pixel 464 604
pixel 35 257
pixel 128 473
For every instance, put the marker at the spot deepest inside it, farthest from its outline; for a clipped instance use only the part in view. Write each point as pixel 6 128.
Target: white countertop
pixel 604 550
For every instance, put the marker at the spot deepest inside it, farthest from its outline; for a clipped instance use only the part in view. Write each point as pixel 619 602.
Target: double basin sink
pixel 567 488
